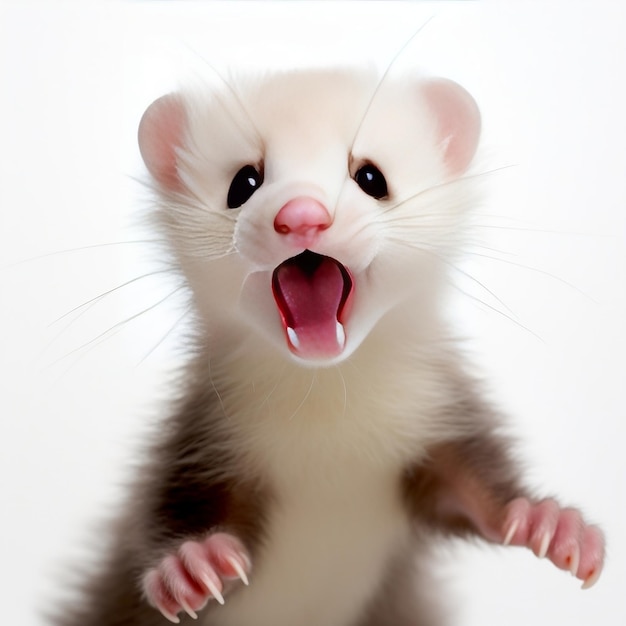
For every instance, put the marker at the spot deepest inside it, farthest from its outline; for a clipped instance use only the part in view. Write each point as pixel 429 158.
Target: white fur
pixel 311 131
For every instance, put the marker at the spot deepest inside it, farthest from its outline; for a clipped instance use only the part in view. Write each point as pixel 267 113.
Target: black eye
pixel 246 181
pixel 371 180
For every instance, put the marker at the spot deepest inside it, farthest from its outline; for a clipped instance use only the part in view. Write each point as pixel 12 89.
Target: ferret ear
pixel 458 121
pixel 160 134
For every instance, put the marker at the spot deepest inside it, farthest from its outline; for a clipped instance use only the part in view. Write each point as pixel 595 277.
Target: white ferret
pixel 327 432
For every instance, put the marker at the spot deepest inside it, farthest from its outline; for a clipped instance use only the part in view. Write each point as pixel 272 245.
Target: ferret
pixel 327 432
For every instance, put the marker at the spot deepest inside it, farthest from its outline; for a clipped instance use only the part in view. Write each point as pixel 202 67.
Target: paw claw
pixel 185 607
pixel 558 534
pixel 592 579
pixel 574 560
pixel 213 588
pixel 170 617
pixel 195 574
pixel 545 544
pixel 511 532
pixel 234 563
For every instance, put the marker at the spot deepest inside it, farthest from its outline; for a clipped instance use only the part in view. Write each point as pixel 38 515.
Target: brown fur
pixel 192 486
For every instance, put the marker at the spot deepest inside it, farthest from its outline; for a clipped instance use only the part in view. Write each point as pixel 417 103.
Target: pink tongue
pixel 309 303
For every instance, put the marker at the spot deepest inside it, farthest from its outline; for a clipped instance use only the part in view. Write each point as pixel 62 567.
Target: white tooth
pixel 293 337
pixel 341 335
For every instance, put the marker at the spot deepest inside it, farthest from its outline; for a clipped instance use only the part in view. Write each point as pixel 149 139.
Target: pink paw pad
pixel 196 573
pixel 562 535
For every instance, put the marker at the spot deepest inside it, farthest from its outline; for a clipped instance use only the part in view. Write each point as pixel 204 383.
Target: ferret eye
pixel 371 180
pixel 246 181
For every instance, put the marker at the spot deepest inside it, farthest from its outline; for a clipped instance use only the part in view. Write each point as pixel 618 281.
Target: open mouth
pixel 313 293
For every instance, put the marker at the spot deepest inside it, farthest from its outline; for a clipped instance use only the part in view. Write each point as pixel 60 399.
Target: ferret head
pixel 307 205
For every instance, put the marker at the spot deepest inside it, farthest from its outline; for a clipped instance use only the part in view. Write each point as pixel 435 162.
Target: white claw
pixel 170 617
pixel 212 587
pixel 188 609
pixel 511 533
pixel 592 580
pixel 240 571
pixel 545 544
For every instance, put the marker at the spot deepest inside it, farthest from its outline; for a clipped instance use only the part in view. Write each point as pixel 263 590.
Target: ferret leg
pixel 199 571
pixel 470 486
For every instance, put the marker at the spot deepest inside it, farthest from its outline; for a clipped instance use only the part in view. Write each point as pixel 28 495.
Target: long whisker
pixel 279 379
pixel 108 292
pixel 460 271
pixel 167 334
pixel 479 283
pixel 118 326
pixel 448 183
pixel 383 78
pixel 536 270
pixel 499 312
pixel 94 246
pixel 481 246
pixel 215 389
pixel 345 391
pixel 233 92
pixel 306 395
pixel 544 231
pixel 469 295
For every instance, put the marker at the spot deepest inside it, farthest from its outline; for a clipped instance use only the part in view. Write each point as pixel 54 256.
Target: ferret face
pixel 307 205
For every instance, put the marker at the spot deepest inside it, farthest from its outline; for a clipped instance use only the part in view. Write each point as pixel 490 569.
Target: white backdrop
pixel 74 80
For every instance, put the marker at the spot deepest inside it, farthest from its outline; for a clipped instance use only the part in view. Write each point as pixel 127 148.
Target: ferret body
pixel 327 431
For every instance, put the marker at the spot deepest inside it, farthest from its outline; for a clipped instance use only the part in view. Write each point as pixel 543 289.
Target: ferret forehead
pixel 308 101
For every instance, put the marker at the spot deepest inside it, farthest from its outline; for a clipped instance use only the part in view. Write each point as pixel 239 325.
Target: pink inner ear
pixel 458 121
pixel 160 133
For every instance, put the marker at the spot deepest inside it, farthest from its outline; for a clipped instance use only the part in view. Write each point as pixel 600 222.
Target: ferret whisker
pixel 110 291
pixel 345 392
pixel 209 255
pixel 233 92
pixel 480 284
pixel 306 396
pixel 509 316
pixel 166 334
pixel 216 212
pixel 214 386
pixel 342 189
pixel 415 220
pixel 480 246
pixel 393 207
pixel 448 183
pixel 498 311
pixel 93 246
pixel 537 270
pixel 107 333
pixel 383 78
pixel 540 231
pixel 411 245
pixel 362 226
pixel 65 328
pixel 279 379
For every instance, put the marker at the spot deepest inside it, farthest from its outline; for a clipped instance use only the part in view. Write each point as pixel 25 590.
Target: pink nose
pixel 301 220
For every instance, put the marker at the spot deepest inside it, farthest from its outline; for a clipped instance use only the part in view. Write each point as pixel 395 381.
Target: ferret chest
pixel 330 538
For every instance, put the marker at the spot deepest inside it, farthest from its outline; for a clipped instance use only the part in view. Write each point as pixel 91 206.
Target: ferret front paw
pixel 562 535
pixel 196 573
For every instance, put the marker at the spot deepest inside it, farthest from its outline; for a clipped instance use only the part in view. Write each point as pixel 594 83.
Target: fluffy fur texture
pixel 335 471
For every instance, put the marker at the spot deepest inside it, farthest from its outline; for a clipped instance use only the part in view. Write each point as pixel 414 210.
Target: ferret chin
pixel 326 433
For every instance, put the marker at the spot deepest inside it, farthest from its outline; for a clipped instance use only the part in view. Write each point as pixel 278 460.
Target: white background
pixel 74 80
